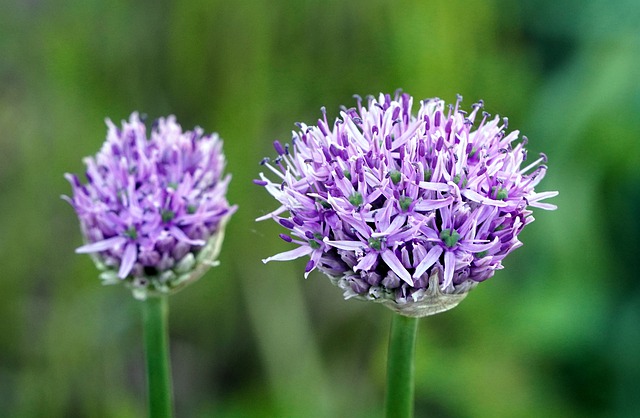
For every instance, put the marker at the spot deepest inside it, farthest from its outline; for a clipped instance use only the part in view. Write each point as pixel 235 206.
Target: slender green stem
pixel 156 347
pixel 400 386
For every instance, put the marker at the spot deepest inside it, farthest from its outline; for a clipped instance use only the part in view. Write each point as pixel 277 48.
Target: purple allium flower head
pixel 153 209
pixel 410 211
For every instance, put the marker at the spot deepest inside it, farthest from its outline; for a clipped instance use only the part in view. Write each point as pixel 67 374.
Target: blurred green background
pixel 554 334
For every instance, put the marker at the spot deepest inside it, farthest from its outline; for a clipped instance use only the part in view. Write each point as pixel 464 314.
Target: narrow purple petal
pixel 290 255
pixel 366 262
pixel 449 268
pixel 68 200
pixel 101 245
pixel 545 206
pixel 426 205
pixel 181 236
pixel 477 197
pixel 428 185
pixel 479 247
pixel 431 257
pixel 346 245
pixel 535 198
pixel 128 260
pixel 394 264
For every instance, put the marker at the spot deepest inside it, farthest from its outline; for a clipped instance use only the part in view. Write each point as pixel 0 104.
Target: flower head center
pixel 395 176
pixel 500 192
pixel 405 203
pixel 167 215
pixel 131 232
pixel 356 199
pixel 375 243
pixel 450 237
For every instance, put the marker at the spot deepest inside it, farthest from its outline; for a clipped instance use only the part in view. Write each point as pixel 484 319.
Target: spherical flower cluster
pixel 153 209
pixel 410 211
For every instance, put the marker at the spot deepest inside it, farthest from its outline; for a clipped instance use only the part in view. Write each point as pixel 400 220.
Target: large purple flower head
pixel 410 211
pixel 153 210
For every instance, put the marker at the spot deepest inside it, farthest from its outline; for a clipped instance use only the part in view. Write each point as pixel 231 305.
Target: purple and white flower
pixel 410 211
pixel 153 210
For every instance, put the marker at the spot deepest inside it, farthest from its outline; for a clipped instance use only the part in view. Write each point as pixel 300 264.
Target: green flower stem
pixel 400 386
pixel 156 347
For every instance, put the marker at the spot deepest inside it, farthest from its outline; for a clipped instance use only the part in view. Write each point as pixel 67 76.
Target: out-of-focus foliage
pixel 555 334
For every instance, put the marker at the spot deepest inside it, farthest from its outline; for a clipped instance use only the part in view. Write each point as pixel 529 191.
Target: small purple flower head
pixel 153 210
pixel 409 211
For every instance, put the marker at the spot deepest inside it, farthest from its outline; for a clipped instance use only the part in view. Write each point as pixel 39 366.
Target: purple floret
pixel 153 209
pixel 401 208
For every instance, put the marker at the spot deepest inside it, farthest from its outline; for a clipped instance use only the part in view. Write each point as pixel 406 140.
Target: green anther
pixel 131 232
pixel 450 237
pixel 456 179
pixel 464 183
pixel 499 228
pixel 395 176
pixel 427 175
pixel 314 244
pixel 191 209
pixel 356 199
pixel 347 174
pixel 173 185
pixel 500 192
pixel 405 202
pixel 167 215
pixel 481 254
pixel 375 243
pixel 318 236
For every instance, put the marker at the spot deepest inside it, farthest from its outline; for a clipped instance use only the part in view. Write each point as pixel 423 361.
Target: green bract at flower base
pixel 432 302
pixel 186 271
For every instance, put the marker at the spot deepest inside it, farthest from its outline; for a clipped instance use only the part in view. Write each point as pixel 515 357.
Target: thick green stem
pixel 400 386
pixel 156 347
